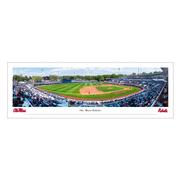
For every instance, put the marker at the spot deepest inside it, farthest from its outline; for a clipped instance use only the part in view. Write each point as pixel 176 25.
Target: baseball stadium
pixel 141 89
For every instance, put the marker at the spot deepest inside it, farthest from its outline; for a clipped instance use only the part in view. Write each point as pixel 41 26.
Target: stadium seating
pixel 154 93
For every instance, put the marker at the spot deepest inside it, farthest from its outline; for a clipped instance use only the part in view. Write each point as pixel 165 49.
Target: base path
pixel 90 90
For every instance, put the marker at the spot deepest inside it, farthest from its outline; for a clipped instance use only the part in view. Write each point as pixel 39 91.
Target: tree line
pixel 58 78
pixel 80 77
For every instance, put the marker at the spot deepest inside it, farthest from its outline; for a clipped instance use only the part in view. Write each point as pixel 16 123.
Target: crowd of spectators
pixel 162 100
pixel 25 95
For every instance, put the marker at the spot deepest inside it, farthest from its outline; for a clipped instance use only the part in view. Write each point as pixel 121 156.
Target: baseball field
pixel 90 91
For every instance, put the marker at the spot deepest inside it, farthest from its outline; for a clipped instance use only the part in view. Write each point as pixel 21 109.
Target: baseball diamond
pixel 90 91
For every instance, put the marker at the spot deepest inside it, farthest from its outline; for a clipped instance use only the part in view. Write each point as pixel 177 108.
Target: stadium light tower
pixel 42 71
pixel 119 70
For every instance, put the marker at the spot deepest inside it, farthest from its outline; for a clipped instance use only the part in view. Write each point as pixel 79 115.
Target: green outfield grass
pixel 72 90
pixel 110 88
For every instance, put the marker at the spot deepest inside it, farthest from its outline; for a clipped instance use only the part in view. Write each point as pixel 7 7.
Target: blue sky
pixel 79 71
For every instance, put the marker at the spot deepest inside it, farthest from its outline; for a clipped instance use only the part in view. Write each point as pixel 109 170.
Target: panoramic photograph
pixel 90 87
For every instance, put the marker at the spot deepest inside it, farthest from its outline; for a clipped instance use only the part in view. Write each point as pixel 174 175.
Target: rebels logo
pixel 162 110
pixel 21 110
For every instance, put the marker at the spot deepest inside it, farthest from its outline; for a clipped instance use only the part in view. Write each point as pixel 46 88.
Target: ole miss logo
pixel 21 110
pixel 162 110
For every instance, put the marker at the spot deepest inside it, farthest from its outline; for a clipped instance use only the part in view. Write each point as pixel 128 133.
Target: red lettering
pixel 21 110
pixel 162 110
